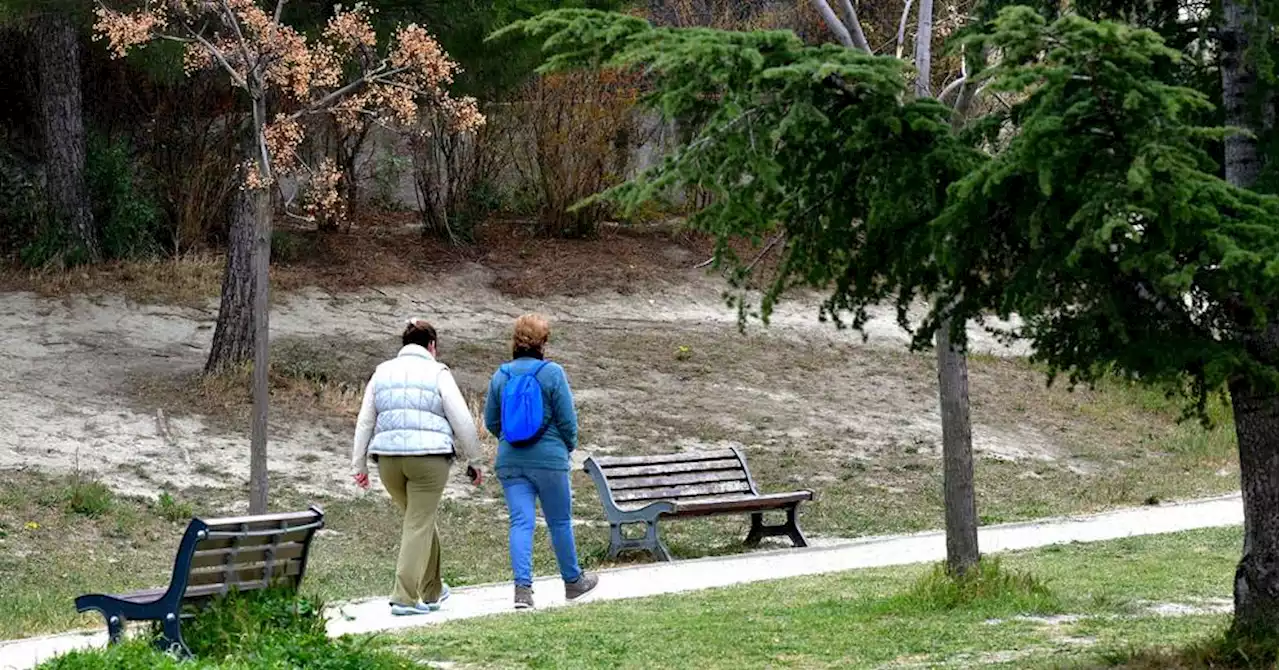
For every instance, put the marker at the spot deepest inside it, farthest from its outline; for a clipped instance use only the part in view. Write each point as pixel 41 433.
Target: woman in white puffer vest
pixel 412 423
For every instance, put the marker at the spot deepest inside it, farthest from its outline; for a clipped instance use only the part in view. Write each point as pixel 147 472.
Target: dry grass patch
pixel 190 281
pixel 386 250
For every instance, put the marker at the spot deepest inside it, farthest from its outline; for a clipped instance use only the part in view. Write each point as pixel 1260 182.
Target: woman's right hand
pixel 362 480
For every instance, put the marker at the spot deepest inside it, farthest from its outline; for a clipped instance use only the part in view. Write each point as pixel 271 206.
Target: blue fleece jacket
pixel 551 451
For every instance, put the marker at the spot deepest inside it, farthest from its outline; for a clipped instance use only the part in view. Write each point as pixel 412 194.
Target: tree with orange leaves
pixel 284 79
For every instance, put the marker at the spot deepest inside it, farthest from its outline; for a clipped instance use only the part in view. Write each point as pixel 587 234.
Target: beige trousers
pixel 416 484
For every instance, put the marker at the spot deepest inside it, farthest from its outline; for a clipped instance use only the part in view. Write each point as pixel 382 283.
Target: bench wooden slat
pixel 677 492
pixel 682 457
pixel 192 593
pixel 219 557
pixel 625 483
pixel 143 596
pixel 671 468
pixel 244 575
pixel 249 542
pixel 719 504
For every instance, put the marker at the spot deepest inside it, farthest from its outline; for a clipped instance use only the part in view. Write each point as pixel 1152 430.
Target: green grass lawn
pixel 1079 606
pixel 1082 605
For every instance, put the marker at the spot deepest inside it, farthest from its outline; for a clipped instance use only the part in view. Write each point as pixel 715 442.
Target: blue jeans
pixel 521 487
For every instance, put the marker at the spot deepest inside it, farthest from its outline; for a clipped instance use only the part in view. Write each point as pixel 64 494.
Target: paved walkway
pixel 373 615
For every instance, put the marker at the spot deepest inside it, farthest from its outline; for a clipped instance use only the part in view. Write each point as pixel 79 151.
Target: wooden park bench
pixel 640 489
pixel 215 557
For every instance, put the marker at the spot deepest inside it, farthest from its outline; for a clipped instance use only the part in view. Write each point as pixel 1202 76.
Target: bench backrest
pixel 247 553
pixel 687 475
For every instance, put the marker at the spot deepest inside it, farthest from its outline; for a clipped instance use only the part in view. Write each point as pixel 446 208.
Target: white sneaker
pixel 409 610
pixel 444 595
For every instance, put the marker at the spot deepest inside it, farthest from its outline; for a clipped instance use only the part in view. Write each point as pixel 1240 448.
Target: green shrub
pixel 133 655
pixel 21 203
pixel 1227 649
pixel 263 629
pixel 987 588
pixel 289 247
pixel 276 628
pixel 170 509
pixel 127 219
pixel 89 498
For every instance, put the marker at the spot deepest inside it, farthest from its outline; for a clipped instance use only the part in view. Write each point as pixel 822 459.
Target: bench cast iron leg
pixel 650 542
pixel 110 610
pixel 616 541
pixel 790 529
pixel 793 528
pixel 171 640
pixel 654 543
pixel 115 627
pixel 757 530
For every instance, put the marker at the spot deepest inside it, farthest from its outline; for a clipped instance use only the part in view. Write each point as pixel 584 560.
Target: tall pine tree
pixel 1092 207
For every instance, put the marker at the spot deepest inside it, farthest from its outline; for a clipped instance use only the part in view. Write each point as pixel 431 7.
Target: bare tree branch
pixel 965 97
pixel 851 17
pixel 997 97
pixel 951 88
pixel 279 10
pixel 902 26
pixel 259 131
pixel 236 79
pixel 233 22
pixel 833 22
pixel 369 78
pixel 768 247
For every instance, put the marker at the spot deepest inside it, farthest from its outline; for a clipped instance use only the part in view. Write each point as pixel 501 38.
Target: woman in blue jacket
pixel 536 468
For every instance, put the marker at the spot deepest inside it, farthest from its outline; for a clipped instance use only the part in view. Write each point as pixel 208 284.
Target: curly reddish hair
pixel 531 334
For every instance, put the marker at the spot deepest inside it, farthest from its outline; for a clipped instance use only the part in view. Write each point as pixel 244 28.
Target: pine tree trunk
pixel 1256 575
pixel 62 121
pixel 1239 92
pixel 1255 407
pixel 957 456
pixel 233 335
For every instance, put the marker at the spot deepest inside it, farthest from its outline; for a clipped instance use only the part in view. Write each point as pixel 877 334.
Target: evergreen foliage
pixel 1089 206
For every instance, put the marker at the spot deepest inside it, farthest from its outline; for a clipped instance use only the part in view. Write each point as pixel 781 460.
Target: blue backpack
pixel 522 411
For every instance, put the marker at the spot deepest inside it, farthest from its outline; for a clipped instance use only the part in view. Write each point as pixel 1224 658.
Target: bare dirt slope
pixel 68 364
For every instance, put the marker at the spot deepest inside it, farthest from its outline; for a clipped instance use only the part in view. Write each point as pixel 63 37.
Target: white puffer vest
pixel 411 419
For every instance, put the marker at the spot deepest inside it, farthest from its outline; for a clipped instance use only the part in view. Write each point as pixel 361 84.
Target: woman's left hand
pixel 362 480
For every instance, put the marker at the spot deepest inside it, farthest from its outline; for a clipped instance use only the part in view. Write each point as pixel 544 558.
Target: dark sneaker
pixel 575 590
pixel 524 598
